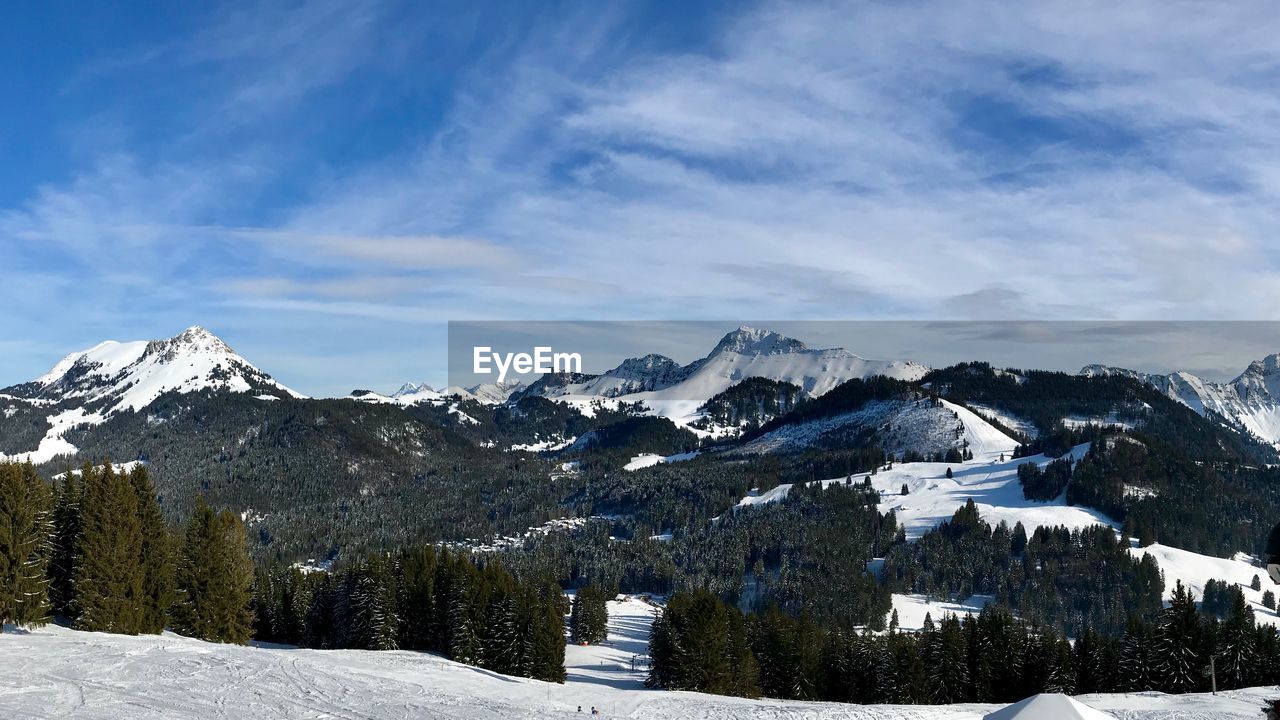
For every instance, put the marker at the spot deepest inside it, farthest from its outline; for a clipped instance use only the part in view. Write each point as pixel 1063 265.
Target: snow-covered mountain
pixel 676 391
pixel 88 387
pixel 413 393
pixel 1251 400
pixel 122 376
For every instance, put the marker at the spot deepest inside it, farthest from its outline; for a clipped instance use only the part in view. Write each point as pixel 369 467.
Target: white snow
pixel 1049 705
pixel 912 609
pixel 990 482
pixel 645 460
pixel 53 445
pixel 53 673
pixel 119 468
pixel 744 353
pixel 130 376
pixel 1195 570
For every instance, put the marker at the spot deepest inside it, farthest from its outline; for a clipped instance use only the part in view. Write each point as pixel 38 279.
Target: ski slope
pixel 54 673
pixel 991 482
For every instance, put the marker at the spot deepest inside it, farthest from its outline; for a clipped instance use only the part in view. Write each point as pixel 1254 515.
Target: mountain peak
pixel 130 375
pixel 747 340
pixel 412 388
pixel 1268 365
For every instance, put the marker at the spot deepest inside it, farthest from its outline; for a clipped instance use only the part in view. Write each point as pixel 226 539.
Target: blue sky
pixel 324 184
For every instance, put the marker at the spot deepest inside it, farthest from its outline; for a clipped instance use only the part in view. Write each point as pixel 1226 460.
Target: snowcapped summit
pixel 412 388
pixel 1251 401
pixel 747 340
pixel 674 391
pixel 131 375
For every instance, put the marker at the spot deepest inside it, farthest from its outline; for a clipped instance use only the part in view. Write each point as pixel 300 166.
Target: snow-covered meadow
pixel 53 673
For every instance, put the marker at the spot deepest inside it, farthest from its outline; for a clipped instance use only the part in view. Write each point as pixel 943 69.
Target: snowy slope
pixel 991 482
pixel 1195 570
pixel 677 392
pixel 1251 400
pixel 54 673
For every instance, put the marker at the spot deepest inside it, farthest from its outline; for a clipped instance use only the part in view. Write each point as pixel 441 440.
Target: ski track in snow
pixel 53 673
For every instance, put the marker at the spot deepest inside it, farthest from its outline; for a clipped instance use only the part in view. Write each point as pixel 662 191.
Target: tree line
pixel 699 643
pixel 94 550
pixel 425 598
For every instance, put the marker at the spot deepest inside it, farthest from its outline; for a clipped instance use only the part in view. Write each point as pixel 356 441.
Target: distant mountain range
pixel 1250 402
pixel 90 386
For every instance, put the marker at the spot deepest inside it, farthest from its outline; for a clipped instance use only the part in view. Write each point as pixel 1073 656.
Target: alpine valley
pixel 826 519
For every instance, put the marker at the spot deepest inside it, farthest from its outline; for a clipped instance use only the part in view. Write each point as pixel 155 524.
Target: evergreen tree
pixel 374 620
pixel 946 665
pixel 154 555
pixel 698 643
pixel 1138 670
pixel 25 528
pixel 108 581
pixel 546 639
pixel 1236 655
pixel 1180 647
pixel 589 618
pixel 214 579
pixel 66 534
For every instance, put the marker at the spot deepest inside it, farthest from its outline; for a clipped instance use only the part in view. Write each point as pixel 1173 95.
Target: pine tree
pixel 589 618
pixel 108 576
pixel 1236 656
pixel 25 529
pixel 546 639
pixel 154 554
pixel 66 535
pixel 1137 658
pixel 463 643
pixel 214 579
pixel 1180 643
pixel 946 664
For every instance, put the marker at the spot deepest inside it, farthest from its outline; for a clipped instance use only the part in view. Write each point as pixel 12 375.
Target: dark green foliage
pixel 615 444
pixel 1047 483
pixel 1182 650
pixel 751 403
pixel 421 599
pixel 1236 655
pixel 698 643
pixel 326 474
pixel 1068 580
pixel 214 579
pixel 1205 507
pixel 589 619
pixel 846 397
pixel 1220 598
pixel 66 530
pixel 155 556
pixel 990 658
pixel 108 582
pixel 25 529
pixel 1044 398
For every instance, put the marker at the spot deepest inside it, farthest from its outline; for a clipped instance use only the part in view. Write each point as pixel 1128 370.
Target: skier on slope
pixel 1273 555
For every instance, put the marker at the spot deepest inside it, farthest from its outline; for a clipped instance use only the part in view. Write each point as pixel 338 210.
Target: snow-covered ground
pixel 991 482
pixel 645 460
pixel 53 673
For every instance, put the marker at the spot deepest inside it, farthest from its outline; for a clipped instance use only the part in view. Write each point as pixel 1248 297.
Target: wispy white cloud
pixel 936 159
